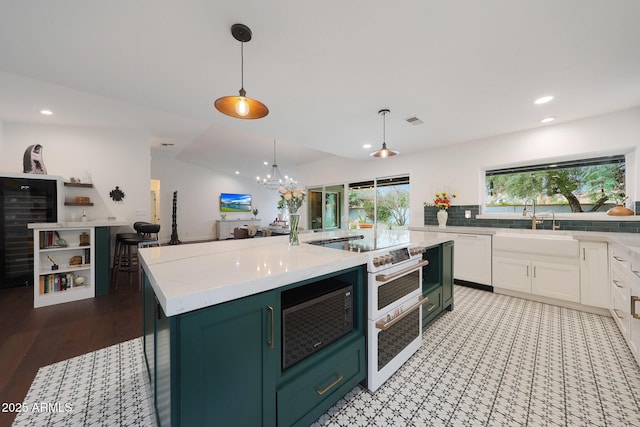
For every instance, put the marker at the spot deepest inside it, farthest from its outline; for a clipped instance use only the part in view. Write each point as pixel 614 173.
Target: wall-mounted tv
pixel 232 202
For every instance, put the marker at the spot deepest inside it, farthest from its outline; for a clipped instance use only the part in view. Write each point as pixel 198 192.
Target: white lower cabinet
pixel 594 274
pixel 472 258
pixel 555 280
pixel 542 277
pixel 625 296
pixel 512 273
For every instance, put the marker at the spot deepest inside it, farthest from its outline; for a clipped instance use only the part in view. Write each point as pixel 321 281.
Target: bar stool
pixel 149 234
pixel 125 258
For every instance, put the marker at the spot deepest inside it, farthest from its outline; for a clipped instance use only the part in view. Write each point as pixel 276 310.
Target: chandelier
pixel 274 180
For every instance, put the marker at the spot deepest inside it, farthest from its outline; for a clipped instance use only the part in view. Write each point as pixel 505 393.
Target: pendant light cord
pixel 384 128
pixel 274 153
pixel 242 65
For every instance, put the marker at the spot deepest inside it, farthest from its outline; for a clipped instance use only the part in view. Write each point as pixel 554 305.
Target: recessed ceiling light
pixel 46 112
pixel 366 146
pixel 547 120
pixel 543 100
pixel 237 172
pixel 265 163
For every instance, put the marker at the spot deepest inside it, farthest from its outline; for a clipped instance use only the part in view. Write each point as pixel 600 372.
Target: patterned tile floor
pixel 494 361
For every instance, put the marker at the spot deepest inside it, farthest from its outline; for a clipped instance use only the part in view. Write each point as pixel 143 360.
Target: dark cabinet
pixel 447 275
pixel 228 363
pixel 221 365
pixel 437 281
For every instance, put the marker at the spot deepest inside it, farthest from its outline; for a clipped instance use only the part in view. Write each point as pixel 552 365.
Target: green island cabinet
pixel 221 365
pixel 437 281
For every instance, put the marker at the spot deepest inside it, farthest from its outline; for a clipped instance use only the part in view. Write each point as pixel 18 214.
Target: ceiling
pixel 466 69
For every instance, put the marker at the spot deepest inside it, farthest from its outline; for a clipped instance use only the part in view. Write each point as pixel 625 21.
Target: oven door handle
pixel 381 324
pixel 387 277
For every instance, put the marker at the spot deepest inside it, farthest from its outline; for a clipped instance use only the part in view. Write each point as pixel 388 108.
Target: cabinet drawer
pixel 302 400
pixel 619 284
pixel 620 308
pixel 431 309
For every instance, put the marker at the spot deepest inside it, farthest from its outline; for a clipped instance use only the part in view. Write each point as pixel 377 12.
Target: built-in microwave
pixel 314 316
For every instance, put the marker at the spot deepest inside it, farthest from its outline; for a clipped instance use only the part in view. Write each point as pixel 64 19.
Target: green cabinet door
pixel 101 256
pixel 228 360
pixel 447 275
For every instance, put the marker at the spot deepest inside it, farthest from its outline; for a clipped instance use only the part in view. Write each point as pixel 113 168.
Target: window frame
pixel 586 159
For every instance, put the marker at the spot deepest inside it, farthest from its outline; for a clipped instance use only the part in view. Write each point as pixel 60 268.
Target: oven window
pixel 396 338
pixel 398 288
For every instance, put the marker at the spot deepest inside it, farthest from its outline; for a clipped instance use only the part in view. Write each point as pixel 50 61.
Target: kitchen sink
pixel 557 245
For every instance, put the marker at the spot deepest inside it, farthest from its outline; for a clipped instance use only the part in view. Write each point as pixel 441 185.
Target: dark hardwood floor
pixel 31 338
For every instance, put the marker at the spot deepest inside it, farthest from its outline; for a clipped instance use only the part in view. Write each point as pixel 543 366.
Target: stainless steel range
pixel 394 301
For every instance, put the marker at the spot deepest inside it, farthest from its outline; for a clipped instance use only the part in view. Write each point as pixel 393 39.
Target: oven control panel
pixel 397 255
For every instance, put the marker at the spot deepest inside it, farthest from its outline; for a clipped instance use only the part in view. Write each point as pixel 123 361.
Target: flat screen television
pixel 233 202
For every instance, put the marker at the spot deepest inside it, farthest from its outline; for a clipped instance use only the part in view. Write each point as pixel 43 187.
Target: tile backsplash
pixel 456 218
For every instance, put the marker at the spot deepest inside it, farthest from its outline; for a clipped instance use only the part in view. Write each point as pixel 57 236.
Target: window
pixel 382 201
pixel 587 185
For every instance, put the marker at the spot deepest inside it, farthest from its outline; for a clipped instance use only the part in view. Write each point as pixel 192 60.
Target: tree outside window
pixel 588 185
pixel 384 201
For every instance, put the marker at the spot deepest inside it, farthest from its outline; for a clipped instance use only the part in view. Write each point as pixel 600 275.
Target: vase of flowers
pixel 442 201
pixel 292 198
pixel 255 213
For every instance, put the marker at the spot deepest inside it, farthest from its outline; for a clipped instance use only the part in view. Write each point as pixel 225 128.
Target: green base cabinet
pixel 221 365
pixel 437 281
pixel 302 401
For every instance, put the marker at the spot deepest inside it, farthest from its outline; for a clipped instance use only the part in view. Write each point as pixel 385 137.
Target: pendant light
pixel 274 180
pixel 241 107
pixel 384 152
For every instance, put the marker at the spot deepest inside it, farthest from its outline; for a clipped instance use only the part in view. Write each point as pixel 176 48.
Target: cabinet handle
pixel 584 254
pixel 634 300
pixel 330 386
pixel 534 271
pixel 387 277
pixel 381 324
pixel 617 258
pixel 527 271
pixel 617 312
pixel 636 272
pixel 615 282
pixel 431 307
pixel 272 338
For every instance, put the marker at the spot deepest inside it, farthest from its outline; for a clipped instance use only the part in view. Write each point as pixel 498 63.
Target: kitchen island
pixel 214 324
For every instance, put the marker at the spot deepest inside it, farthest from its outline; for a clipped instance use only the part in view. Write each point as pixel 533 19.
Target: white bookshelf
pixel 56 286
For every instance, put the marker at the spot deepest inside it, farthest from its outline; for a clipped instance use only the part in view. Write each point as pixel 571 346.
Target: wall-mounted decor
pixel 232 202
pixel 117 194
pixel 32 160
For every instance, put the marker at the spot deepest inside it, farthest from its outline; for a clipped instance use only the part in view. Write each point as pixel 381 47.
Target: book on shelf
pixel 58 282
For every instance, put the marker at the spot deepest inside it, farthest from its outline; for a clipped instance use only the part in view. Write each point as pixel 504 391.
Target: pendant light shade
pixel 241 107
pixel 384 152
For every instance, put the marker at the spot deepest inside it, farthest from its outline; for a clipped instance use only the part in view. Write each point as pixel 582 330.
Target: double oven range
pixel 394 302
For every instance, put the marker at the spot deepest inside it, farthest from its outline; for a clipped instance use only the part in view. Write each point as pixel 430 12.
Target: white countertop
pixel 630 241
pixel 77 224
pixel 188 277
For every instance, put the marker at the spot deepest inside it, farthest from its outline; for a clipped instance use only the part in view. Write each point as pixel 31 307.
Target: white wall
pixel 113 157
pixel 460 168
pixel 198 199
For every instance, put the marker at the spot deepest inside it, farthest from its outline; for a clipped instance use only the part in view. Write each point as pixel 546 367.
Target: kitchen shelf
pixel 78 204
pixel 78 184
